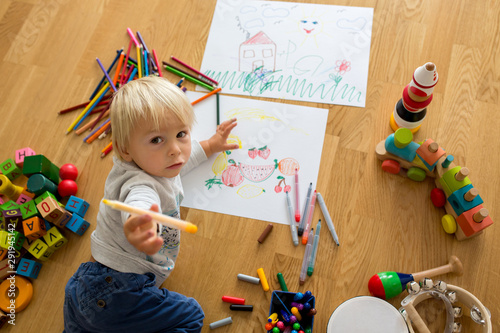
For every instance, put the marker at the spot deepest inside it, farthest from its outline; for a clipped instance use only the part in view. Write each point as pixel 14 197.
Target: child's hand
pixel 140 231
pixel 218 142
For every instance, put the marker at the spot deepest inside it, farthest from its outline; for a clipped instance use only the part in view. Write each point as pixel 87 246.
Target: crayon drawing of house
pixel 257 52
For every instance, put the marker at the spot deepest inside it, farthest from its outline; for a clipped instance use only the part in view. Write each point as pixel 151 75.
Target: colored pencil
pixel 206 96
pixel 191 75
pixel 107 149
pixel 146 66
pixel 90 109
pixel 131 77
pixel 98 131
pixel 103 113
pixel 139 62
pixel 72 126
pixel 79 106
pixel 106 74
pixel 131 34
pixel 187 77
pixel 157 63
pixel 194 70
pixel 91 124
pixel 118 52
pixel 218 110
pixel 124 70
pixel 118 68
pixel 179 84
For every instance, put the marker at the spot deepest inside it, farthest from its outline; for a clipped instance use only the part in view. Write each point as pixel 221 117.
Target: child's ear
pixel 124 153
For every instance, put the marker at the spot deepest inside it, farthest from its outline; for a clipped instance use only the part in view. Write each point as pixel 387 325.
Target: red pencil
pixel 194 70
pixel 76 107
pixel 157 63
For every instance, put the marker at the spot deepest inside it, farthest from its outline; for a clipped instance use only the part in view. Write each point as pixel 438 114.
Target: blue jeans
pixel 100 299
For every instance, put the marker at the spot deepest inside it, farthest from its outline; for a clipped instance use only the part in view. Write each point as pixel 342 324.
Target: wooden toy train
pixel 465 215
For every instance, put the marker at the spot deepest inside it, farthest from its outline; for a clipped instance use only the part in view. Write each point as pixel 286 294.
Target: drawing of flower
pixel 342 66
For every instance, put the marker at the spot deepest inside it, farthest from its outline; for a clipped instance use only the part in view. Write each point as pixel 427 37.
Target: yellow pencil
pixel 70 128
pixel 139 56
pixel 157 217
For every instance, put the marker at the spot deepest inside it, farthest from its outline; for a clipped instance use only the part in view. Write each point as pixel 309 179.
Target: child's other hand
pixel 218 142
pixel 140 231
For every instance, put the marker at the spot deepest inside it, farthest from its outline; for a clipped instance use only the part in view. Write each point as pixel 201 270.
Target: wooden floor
pixel 384 222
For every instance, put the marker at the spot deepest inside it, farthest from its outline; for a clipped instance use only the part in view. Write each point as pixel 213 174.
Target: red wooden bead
pixel 438 197
pixel 68 171
pixel 67 187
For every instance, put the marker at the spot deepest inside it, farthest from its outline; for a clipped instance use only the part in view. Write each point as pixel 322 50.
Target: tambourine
pixel 452 297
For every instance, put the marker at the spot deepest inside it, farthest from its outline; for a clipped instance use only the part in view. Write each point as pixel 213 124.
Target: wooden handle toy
pixel 389 284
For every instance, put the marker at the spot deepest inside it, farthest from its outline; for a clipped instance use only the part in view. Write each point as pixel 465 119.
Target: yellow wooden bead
pixel 449 224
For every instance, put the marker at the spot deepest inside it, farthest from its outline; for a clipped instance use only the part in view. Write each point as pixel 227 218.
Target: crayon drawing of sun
pixel 311 27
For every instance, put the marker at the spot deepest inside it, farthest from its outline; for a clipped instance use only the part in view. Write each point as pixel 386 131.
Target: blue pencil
pixel 134 71
pixel 104 123
pixel 91 108
pixel 146 67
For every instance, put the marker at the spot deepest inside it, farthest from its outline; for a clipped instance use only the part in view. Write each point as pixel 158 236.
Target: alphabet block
pixel 63 219
pixel 46 255
pixel 4 239
pixel 77 224
pixel 44 195
pixel 3 253
pixel 450 183
pixel 29 268
pixel 38 248
pixel 77 205
pixel 16 239
pixel 12 217
pixel 22 199
pixel 34 228
pixel 10 169
pixel 28 209
pixel 50 209
pixel 54 239
pixel 6 269
pixel 21 154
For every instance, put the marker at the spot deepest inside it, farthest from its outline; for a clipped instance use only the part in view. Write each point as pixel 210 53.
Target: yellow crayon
pixel 263 280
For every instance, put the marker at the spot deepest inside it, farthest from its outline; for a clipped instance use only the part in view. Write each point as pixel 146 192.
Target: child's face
pixel 160 153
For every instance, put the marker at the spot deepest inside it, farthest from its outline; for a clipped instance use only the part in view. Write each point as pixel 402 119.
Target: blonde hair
pixel 146 98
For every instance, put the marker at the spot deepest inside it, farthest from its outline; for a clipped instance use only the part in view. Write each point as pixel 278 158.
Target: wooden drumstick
pixel 453 266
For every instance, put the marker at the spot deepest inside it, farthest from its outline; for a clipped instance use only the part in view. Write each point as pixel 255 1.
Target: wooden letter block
pixel 21 154
pixel 50 209
pixel 10 169
pixel 54 239
pixel 16 239
pixel 12 217
pixel 77 205
pixel 47 254
pixel 3 253
pixel 28 209
pixel 4 239
pixel 29 268
pixel 34 228
pixel 6 269
pixel 77 224
pixel 23 198
pixel 65 218
pixel 43 196
pixel 38 248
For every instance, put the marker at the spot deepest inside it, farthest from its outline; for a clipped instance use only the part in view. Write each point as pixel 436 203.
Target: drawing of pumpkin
pixel 231 176
pixel 257 173
pixel 288 165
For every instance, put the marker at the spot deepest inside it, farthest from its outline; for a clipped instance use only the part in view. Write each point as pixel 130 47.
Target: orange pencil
pixel 207 95
pixel 91 123
pixel 107 150
pixel 118 67
pixel 98 132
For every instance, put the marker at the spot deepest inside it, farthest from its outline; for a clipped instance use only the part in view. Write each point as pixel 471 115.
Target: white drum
pixel 364 314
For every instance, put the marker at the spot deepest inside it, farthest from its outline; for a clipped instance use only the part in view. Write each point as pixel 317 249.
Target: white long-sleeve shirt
pixel 128 183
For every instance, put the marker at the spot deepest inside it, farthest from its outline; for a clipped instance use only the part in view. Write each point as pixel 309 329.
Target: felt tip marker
pixel 297 194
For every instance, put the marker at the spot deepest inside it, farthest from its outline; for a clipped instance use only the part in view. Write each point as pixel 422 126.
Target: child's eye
pixel 156 140
pixel 181 134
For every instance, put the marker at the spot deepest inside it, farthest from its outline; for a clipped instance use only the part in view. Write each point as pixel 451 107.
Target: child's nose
pixel 174 149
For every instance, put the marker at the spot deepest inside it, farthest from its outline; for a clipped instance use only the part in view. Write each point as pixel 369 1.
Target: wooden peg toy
pixel 8 189
pixel 389 284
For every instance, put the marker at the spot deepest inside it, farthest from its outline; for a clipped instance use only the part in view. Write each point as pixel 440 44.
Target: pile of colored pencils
pixel 126 69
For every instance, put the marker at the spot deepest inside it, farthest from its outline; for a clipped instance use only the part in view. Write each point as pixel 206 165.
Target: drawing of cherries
pixel 278 187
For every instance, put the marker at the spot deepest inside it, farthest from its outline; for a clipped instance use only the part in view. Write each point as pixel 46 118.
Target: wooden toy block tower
pixel 410 110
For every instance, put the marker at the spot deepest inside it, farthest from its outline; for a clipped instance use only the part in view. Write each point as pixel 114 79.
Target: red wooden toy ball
pixel 68 171
pixel 67 187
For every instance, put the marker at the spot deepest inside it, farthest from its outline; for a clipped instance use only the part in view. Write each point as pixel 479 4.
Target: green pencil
pixel 187 77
